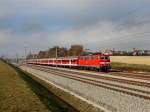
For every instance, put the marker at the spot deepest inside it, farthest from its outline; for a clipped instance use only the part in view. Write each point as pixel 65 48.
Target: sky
pixel 96 24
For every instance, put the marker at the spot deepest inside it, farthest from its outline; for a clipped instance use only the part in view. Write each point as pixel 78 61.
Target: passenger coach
pixel 92 62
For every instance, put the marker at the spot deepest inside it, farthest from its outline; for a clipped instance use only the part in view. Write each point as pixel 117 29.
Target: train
pixel 98 62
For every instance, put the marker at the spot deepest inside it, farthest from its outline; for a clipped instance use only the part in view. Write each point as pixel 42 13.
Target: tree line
pixel 77 50
pixel 56 51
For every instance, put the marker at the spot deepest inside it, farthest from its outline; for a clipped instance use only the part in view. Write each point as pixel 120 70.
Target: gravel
pixel 111 100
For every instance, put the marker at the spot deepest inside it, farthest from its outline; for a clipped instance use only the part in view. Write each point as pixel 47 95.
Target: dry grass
pixel 20 93
pixel 145 60
pixel 15 96
pixel 130 67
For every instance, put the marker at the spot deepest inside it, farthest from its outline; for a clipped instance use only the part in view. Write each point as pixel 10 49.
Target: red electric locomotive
pixel 97 61
pixel 94 62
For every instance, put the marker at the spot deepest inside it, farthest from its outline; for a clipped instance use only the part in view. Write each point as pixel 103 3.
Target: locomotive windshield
pixel 104 58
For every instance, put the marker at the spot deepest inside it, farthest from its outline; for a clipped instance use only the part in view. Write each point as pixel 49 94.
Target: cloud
pixel 96 24
pixel 106 35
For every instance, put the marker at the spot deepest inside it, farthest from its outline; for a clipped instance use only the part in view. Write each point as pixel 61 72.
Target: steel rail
pixel 132 82
pixel 99 83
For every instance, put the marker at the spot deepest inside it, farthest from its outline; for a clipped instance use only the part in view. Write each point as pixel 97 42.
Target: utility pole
pixel 25 51
pixel 56 56
pixel 87 51
pixel 17 60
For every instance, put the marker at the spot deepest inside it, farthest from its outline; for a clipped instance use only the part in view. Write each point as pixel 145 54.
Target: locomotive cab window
pixel 104 58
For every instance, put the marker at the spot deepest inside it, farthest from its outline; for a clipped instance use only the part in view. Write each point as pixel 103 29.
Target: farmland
pixel 131 59
pixel 131 63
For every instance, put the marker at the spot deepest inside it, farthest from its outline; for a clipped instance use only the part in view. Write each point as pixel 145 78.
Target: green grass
pixel 15 95
pixel 130 67
pixel 20 93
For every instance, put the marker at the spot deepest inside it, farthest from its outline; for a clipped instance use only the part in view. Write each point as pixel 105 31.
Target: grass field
pixel 145 60
pixel 15 95
pixel 20 93
pixel 130 67
pixel 131 63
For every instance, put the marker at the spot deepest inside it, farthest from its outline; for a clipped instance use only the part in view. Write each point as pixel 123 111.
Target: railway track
pixel 92 79
pixel 116 79
pixel 133 75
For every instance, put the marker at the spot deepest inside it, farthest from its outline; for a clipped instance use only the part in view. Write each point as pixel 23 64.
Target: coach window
pixel 92 58
pixel 87 58
pixel 72 60
pixel 81 58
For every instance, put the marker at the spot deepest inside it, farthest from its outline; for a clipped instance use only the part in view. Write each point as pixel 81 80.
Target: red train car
pixel 94 61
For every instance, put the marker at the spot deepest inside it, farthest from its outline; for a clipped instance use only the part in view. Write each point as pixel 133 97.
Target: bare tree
pixel 75 50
